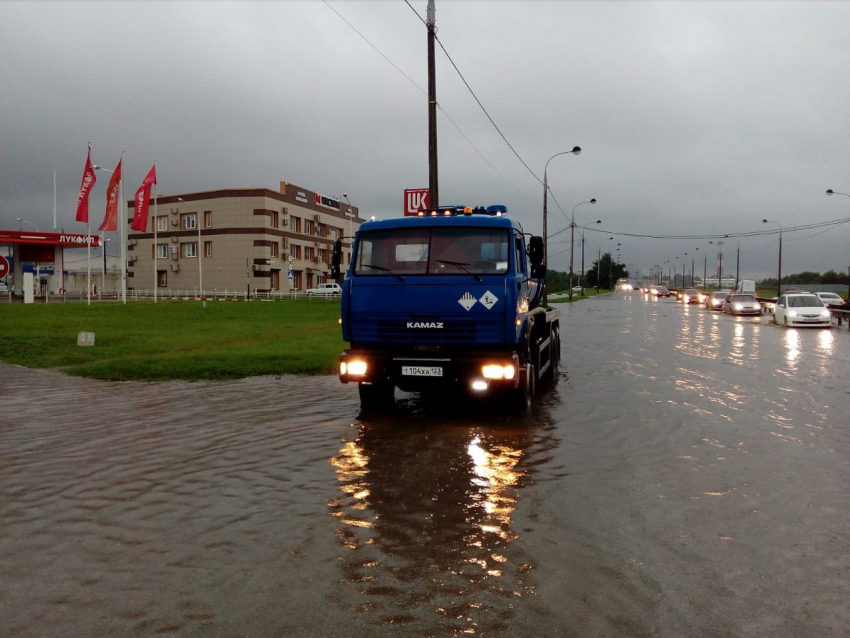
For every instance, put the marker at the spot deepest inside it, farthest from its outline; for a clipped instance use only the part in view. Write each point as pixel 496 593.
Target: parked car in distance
pixel 801 309
pixel 3 287
pixel 716 299
pixel 829 298
pixel 736 304
pixel 690 296
pixel 325 289
pixel 660 291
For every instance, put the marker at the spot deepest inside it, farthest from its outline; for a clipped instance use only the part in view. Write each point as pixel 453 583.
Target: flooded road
pixel 687 475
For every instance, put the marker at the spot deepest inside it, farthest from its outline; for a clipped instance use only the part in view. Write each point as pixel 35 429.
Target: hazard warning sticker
pixel 467 301
pixel 488 300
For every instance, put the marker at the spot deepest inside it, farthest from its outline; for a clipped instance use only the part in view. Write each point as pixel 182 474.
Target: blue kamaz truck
pixel 447 300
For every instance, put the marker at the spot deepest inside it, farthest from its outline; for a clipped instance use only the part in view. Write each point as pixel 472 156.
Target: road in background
pixel 686 476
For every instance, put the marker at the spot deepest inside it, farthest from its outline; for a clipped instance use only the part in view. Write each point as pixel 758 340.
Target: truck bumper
pixel 414 372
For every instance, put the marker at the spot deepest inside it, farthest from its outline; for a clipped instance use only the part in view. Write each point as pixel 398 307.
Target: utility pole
pixel 737 267
pixel 433 187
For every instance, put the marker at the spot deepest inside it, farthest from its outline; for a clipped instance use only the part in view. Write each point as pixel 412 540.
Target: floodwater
pixel 687 475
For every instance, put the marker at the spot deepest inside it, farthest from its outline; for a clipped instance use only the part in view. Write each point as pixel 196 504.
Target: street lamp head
pixel 829 191
pixel 592 200
pixel 345 194
pixel 764 221
pixel 576 150
pixel 598 221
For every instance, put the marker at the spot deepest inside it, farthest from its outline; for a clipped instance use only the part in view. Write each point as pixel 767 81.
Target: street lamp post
pixel 576 151
pixel 24 221
pixel 592 200
pixel 350 215
pixel 832 192
pixel 583 228
pixel 779 275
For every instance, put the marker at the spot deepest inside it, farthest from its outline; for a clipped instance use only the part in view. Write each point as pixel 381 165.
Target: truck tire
pixel 376 397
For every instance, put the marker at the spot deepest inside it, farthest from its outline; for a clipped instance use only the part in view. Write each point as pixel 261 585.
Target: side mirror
pixel 538 271
pixel 535 250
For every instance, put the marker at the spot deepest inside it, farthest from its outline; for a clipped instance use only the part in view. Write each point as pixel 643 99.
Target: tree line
pixel 605 270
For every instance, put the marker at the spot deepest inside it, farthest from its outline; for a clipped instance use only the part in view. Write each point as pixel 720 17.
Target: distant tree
pixel 606 271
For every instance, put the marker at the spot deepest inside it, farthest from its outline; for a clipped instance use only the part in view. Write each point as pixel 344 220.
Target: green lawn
pixel 175 340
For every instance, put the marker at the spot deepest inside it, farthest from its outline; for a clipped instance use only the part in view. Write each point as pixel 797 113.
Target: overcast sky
pixel 694 118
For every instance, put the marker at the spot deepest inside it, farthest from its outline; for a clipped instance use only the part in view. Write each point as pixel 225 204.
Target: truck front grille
pixel 424 329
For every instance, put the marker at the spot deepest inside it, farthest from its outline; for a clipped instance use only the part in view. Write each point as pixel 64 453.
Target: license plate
pixel 422 371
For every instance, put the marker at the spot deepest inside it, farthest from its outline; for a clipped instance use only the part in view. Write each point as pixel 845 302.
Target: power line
pixel 759 233
pixel 424 92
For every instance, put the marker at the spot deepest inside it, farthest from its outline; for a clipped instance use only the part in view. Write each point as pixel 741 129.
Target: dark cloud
pixel 694 117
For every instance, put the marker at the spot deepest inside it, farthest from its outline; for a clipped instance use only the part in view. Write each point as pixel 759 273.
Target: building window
pixel 162 251
pixel 207 219
pixel 308 253
pixel 275 249
pixel 207 249
pixel 296 251
pixel 296 224
pixel 308 226
pixel 321 230
pixel 162 223
pixel 189 249
pixel 274 220
pixel 321 254
pixel 188 221
pixel 162 278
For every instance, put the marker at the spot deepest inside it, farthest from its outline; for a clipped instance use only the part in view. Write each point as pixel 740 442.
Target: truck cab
pixel 449 298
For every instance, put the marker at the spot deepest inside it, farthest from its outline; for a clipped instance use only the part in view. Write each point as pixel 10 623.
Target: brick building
pixel 239 240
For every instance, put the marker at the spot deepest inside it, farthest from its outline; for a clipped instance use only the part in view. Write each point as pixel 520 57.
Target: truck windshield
pixel 433 251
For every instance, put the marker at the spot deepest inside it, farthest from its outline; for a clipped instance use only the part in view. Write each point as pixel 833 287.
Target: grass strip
pixel 175 340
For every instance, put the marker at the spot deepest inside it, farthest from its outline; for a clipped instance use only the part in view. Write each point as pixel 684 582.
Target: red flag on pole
pixel 143 196
pixel 110 220
pixel 85 188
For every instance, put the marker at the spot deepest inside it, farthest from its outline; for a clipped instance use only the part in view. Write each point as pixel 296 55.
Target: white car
pixel 801 309
pixel 3 287
pixel 830 298
pixel 325 290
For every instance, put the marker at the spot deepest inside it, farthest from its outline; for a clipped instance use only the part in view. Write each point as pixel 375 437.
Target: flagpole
pixel 103 248
pixel 155 223
pixel 122 230
pixel 88 260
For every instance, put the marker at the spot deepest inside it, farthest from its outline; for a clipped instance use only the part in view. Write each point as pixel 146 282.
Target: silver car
pixel 742 305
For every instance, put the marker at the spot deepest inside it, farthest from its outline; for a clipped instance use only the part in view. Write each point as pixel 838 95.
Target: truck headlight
pixel 497 371
pixel 354 368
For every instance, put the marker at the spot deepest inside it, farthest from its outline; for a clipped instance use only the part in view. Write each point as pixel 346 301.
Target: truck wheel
pixel 376 397
pixel 519 400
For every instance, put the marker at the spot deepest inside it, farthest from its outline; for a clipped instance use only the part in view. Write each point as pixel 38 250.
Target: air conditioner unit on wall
pixel 174 222
pixel 175 267
pixel 174 239
pixel 317 217
pixel 173 249
pixel 174 256
pixel 286 243
pixel 284 222
pixel 132 242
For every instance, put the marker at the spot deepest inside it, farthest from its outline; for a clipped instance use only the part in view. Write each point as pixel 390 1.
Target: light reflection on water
pixel 425 520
